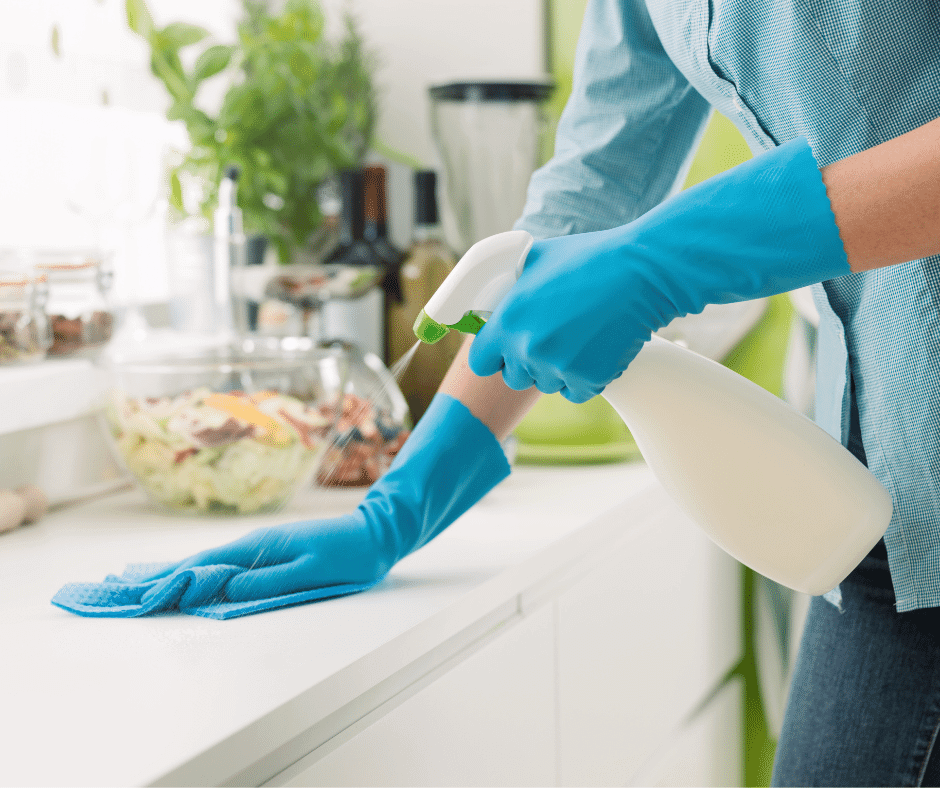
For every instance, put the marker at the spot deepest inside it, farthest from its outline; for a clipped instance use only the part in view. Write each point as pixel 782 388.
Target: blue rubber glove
pixel 585 304
pixel 449 462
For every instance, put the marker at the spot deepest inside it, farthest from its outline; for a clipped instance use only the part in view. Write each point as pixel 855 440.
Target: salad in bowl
pixel 237 429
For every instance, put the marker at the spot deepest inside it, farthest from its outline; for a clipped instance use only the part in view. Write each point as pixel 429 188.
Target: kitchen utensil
pixel 490 135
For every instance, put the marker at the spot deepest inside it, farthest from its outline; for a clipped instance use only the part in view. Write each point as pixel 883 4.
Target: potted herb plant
pixel 298 108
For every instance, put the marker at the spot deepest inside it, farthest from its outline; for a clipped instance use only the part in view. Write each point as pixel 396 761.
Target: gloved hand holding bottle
pixel 585 304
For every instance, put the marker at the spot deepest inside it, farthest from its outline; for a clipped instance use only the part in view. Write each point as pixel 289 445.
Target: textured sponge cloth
pixel 198 591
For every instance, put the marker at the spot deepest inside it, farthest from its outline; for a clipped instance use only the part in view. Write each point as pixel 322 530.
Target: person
pixel 840 101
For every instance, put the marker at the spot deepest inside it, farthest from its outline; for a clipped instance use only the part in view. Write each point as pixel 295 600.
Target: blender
pixel 490 136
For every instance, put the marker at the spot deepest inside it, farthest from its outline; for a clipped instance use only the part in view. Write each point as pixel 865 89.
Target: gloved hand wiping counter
pixel 579 313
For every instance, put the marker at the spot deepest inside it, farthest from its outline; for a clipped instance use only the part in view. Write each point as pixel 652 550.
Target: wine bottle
pixel 427 262
pixel 360 320
pixel 376 234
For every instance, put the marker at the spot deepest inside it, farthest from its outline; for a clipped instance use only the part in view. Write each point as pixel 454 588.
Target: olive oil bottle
pixel 428 261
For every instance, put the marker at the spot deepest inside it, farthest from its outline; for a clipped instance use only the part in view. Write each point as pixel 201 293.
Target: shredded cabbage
pixel 192 457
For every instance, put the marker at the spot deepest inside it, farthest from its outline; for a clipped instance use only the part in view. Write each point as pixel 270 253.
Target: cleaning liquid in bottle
pixel 767 485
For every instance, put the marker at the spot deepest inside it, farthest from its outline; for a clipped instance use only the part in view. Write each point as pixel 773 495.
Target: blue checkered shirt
pixel 846 75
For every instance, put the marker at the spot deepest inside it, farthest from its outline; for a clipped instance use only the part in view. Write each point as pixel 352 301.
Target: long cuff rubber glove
pixel 449 462
pixel 585 304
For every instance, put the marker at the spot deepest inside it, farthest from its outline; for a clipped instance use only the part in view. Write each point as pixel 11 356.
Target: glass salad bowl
pixel 236 428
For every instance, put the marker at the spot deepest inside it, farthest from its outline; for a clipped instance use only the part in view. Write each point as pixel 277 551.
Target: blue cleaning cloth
pixel 197 591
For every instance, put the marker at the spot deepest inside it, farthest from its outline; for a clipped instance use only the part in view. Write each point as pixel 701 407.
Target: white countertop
pixel 167 699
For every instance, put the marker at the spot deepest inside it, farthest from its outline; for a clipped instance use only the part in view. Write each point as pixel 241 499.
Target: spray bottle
pixel 765 483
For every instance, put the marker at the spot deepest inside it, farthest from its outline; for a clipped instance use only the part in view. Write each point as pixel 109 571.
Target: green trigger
pixel 470 323
pixel 430 331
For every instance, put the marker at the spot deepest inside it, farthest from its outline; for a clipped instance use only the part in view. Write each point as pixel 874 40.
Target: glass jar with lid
pixel 81 318
pixel 25 333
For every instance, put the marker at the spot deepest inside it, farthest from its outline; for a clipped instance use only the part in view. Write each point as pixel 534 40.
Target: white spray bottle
pixel 767 485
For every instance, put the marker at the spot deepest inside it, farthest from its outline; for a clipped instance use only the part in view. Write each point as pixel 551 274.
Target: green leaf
pixel 138 17
pixel 299 107
pixel 176 191
pixel 212 61
pixel 166 65
pixel 399 156
pixel 183 34
pixel 55 41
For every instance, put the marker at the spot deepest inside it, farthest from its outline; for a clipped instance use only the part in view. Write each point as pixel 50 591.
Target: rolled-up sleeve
pixel 626 132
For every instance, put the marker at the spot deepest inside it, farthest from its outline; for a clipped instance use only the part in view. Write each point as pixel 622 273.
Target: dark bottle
pixel 426 265
pixel 352 249
pixel 376 233
pixel 376 215
pixel 359 315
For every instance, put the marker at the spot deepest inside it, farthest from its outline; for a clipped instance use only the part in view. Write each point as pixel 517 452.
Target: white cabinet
pixel 489 720
pixel 596 682
pixel 708 751
pixel 642 640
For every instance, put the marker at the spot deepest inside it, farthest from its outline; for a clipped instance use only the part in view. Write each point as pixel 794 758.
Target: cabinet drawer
pixel 489 720
pixel 642 639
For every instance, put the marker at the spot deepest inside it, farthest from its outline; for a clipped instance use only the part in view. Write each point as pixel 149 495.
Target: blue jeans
pixel 864 705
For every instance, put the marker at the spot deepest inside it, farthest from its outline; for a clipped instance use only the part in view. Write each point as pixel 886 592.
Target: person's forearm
pixel 489 399
pixel 886 199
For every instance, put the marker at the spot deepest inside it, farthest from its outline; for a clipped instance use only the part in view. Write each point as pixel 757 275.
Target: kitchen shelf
pixel 49 392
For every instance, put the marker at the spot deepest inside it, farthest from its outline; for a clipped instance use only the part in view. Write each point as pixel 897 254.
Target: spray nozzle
pixel 473 290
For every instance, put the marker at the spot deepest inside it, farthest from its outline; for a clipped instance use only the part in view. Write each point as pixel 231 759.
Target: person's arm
pixel 886 200
pixel 489 399
pixel 627 133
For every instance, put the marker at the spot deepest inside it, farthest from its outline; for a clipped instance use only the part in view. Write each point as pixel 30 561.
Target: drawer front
pixel 642 639
pixel 489 720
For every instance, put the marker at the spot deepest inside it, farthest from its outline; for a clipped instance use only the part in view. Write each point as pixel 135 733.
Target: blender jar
pixel 491 137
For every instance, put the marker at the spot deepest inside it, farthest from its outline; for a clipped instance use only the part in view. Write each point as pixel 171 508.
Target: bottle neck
pixel 375 230
pixel 426 233
pixel 351 218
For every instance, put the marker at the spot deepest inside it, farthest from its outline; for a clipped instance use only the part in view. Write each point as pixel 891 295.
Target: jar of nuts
pixel 81 319
pixel 24 329
pixel 372 423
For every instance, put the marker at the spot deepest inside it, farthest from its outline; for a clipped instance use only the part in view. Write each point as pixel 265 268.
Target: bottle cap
pixel 426 197
pixel 374 190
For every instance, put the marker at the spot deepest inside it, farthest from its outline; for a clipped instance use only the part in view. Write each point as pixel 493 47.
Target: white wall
pixel 82 132
pixel 421 42
pixel 59 142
